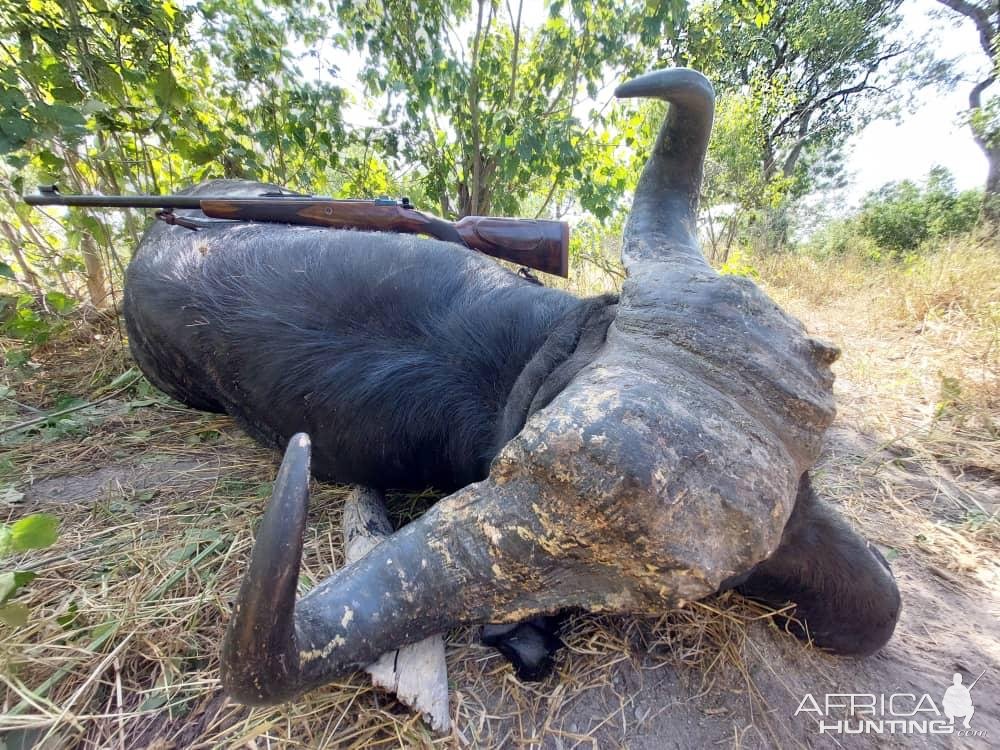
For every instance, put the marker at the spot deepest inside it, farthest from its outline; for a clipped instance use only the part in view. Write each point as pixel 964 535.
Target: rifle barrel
pixel 149 201
pixel 114 201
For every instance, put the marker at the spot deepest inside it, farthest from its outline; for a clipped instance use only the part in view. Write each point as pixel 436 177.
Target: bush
pixel 900 216
pixel 839 238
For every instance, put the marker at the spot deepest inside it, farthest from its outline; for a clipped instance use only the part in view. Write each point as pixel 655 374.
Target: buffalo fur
pixel 411 363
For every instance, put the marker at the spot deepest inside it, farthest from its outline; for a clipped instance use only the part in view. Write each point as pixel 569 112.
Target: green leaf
pixel 5 539
pixel 7 586
pixel 14 614
pixel 36 531
pixel 98 230
pixel 9 495
pixel 206 152
pixel 167 92
pixel 15 130
pixel 68 118
pixel 122 380
pixel 67 620
pixel 111 82
pixel 93 106
pixel 155 700
pixel 6 271
pixel 12 581
pixel 104 629
pixel 51 162
pixel 60 302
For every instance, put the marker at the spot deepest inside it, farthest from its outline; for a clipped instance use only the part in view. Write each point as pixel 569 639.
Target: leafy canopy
pixel 489 108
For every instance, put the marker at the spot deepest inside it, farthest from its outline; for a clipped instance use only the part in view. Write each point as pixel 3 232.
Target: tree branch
pixel 517 43
pixel 975 96
pixel 975 102
pixel 473 205
pixel 810 107
pixel 980 17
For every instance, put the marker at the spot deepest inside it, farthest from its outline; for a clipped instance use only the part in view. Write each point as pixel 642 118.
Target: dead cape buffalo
pixel 615 454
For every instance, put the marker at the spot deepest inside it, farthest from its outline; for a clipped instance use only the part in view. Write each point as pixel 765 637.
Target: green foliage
pixel 900 219
pixel 34 321
pixel 733 170
pixel 902 215
pixel 478 113
pixel 985 123
pixel 795 79
pixel 37 531
pixel 491 117
pixel 121 96
pixel 841 237
pixel 814 71
pixel 739 264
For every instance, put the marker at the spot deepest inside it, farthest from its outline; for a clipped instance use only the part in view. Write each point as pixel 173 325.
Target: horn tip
pixel 664 83
pixel 298 457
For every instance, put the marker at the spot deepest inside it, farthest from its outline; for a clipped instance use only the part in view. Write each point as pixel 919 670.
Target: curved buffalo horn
pixel 663 222
pixel 458 563
pixel 260 641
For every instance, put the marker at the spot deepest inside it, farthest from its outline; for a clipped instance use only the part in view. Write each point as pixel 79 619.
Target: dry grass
pixel 129 608
pixel 920 375
pixel 921 345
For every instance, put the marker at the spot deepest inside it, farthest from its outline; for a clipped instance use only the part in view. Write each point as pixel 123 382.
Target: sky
pixel 934 134
pixel 885 151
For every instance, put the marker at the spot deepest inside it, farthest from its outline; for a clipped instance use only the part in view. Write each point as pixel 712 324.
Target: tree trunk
pixel 991 198
pixel 97 280
pixel 986 18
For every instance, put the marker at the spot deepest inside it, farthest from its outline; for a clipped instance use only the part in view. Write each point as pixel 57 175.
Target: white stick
pixel 417 673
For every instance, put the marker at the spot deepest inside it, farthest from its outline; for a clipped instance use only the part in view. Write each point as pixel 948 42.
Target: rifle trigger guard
pixel 525 273
pixel 168 216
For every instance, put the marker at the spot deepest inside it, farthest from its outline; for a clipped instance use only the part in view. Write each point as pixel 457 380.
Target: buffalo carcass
pixel 610 454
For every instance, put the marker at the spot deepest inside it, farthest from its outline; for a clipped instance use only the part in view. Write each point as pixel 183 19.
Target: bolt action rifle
pixel 539 244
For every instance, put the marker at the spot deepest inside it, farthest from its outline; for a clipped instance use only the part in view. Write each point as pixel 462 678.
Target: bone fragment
pixel 417 673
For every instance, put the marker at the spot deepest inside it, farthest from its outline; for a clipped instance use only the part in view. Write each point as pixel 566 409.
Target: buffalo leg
pixel 845 597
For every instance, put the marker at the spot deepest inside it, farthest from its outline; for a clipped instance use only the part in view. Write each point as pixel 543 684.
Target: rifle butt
pixel 539 244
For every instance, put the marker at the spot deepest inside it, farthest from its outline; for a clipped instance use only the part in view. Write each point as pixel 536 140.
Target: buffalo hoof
pixel 530 646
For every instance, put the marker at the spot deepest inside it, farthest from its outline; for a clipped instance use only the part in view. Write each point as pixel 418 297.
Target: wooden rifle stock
pixel 539 244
